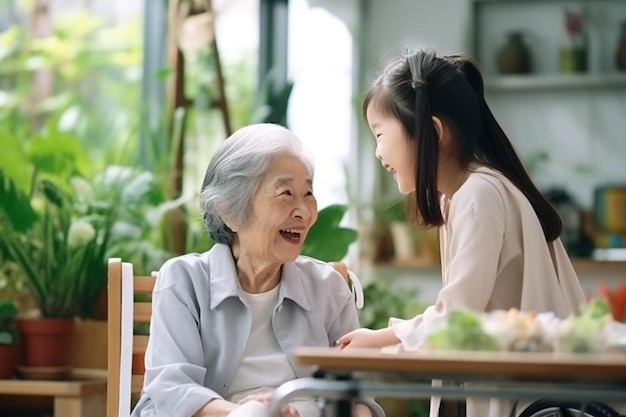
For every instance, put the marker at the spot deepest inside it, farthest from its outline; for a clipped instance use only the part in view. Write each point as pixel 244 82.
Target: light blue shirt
pixel 200 326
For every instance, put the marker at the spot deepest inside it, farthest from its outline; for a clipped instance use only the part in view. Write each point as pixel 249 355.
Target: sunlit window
pixel 320 65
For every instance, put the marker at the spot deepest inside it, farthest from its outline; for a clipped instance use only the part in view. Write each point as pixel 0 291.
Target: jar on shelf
pixel 620 52
pixel 514 56
pixel 572 59
pixel 573 54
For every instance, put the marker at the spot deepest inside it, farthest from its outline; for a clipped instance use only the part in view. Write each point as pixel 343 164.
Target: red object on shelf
pixel 616 298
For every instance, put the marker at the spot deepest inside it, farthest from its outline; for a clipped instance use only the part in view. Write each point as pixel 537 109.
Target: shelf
pixel 555 82
pixel 542 26
pixel 607 266
pixel 579 265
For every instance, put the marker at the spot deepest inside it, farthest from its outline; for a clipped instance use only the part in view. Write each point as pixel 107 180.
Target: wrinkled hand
pixel 265 398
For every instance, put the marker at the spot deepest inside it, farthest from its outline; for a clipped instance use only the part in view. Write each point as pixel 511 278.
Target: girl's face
pixel 393 148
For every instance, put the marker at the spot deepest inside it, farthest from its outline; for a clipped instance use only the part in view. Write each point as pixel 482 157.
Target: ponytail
pixel 426 192
pixel 495 150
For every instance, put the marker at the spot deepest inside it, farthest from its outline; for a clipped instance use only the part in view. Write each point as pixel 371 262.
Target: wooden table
pixel 81 396
pixel 390 373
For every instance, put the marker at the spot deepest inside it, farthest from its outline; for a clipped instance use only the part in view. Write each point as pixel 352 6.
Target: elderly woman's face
pixel 283 211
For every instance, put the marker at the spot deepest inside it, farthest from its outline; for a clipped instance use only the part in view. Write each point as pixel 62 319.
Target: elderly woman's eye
pixel 286 192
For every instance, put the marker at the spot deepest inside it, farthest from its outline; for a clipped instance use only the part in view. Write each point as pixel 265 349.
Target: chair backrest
pixel 128 305
pixel 353 282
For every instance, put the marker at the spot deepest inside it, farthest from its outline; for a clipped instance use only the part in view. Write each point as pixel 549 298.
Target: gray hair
pixel 235 170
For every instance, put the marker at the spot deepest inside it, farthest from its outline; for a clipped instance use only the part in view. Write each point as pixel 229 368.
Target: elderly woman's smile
pixel 291 235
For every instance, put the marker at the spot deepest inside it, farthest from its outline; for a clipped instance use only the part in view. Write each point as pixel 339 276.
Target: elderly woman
pixel 223 321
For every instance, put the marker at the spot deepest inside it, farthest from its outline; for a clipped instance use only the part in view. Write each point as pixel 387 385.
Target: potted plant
pixel 63 247
pixel 61 252
pixel 9 351
pixel 59 225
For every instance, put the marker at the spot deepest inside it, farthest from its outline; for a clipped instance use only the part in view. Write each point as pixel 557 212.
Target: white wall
pixel 389 26
pixel 583 132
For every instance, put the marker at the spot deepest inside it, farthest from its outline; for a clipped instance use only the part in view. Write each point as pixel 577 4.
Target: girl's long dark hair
pixel 421 85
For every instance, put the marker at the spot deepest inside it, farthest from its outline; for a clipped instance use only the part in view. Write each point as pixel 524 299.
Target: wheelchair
pixel 551 408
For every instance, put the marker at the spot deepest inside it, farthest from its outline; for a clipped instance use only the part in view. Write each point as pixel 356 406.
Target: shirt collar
pixel 292 285
pixel 223 281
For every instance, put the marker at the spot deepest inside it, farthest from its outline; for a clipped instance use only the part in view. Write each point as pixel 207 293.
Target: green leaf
pixel 330 246
pixel 15 206
pixel 52 193
pixel 57 153
pixel 6 337
pixel 8 313
pixel 329 217
pixel 326 240
pixel 14 161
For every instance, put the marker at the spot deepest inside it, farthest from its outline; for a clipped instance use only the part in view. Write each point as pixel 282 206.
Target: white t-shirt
pixel 263 359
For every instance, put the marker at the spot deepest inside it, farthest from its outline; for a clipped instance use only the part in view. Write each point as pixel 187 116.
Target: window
pixel 320 108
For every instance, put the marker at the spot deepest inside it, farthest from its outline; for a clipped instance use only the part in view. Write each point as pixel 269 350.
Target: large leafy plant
pixel 59 223
pixel 58 251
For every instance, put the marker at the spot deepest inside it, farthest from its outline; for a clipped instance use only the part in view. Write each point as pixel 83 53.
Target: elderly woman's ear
pixel 232 225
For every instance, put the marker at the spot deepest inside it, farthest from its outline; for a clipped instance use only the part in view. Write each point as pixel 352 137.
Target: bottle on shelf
pixel 620 53
pixel 573 55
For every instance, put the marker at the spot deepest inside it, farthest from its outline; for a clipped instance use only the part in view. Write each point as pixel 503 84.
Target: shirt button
pixel 280 308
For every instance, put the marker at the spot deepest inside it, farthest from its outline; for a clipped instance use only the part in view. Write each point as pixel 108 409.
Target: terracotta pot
pixel 9 355
pixel 138 364
pixel 46 341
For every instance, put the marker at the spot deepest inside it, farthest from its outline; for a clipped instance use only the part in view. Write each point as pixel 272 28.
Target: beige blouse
pixel 494 256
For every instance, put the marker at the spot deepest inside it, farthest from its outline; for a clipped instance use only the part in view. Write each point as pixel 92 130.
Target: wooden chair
pixel 125 310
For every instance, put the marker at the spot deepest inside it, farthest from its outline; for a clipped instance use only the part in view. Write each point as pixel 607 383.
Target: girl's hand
pixel 356 338
pixel 368 338
pixel 361 410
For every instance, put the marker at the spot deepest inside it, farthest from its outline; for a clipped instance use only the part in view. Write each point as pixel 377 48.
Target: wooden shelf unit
pixel 534 82
pixel 83 395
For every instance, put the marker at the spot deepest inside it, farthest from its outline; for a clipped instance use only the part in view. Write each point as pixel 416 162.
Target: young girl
pixel 499 236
